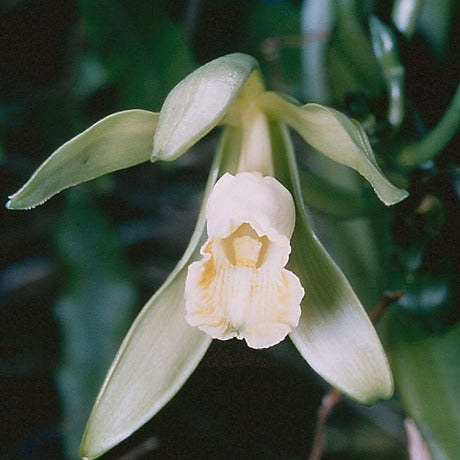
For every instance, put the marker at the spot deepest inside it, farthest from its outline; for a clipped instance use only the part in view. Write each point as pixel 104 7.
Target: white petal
pixel 200 101
pixel 261 201
pixel 240 288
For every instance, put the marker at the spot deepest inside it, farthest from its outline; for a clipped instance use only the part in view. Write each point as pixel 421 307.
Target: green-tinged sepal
pixel 335 136
pixel 156 358
pixel 199 102
pixel 118 141
pixel 334 335
pixel 160 350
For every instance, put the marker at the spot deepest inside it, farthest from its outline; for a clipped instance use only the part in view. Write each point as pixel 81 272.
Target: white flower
pixel 240 288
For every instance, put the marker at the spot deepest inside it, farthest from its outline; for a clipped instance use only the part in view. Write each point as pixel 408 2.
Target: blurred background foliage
pixel 75 272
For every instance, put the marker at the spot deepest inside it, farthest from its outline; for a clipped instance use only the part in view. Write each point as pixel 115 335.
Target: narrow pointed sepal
pixel 334 335
pixel 199 102
pixel 118 141
pixel 157 356
pixel 160 350
pixel 335 136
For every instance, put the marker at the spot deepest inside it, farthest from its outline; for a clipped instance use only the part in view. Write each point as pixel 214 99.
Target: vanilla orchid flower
pixel 260 273
pixel 240 288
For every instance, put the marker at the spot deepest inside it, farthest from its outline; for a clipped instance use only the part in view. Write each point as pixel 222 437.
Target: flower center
pixel 244 248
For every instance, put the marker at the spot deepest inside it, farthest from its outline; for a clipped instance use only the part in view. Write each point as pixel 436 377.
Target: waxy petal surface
pixel 156 358
pixel 199 102
pixel 334 335
pixel 118 141
pixel 160 350
pixel 335 136
pixel 240 288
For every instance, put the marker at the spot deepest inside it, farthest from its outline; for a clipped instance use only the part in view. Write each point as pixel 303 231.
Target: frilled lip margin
pixel 240 287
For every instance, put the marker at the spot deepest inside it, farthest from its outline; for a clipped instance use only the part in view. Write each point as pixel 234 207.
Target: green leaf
pixel 335 335
pixel 118 141
pixel 336 136
pixel 427 373
pixel 350 42
pixel 94 310
pixel 386 51
pixel 160 350
pixel 199 102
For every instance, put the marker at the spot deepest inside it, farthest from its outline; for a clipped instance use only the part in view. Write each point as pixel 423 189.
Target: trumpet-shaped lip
pixel 240 288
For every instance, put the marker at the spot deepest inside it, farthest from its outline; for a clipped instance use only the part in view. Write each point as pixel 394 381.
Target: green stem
pixel 386 51
pixel 435 141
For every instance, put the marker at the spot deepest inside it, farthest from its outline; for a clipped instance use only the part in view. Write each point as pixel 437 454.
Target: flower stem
pixel 435 141
pixel 387 299
pixel 329 401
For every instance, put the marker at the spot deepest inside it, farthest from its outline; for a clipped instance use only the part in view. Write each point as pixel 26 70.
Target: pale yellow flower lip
pixel 240 288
